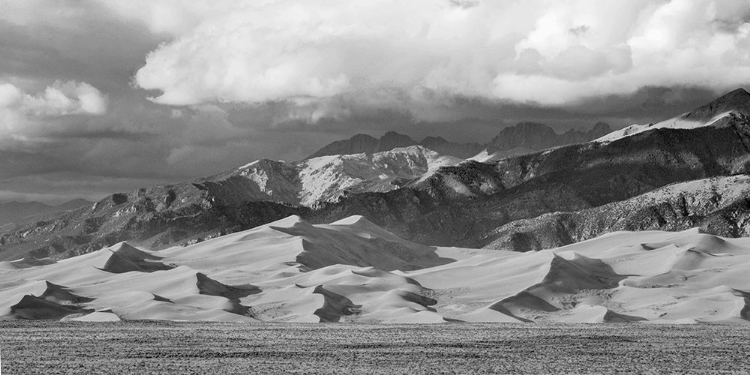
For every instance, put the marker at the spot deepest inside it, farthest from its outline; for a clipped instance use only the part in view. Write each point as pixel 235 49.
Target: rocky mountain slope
pixel 354 271
pixel 719 205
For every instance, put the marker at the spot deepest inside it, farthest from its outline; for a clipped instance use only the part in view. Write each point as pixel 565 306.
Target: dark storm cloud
pixel 94 46
pixel 234 82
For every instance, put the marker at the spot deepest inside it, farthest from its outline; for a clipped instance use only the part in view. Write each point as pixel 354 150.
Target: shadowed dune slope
pixel 354 271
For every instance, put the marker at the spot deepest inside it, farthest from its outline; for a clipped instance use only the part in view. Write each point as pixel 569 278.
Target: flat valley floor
pixel 28 347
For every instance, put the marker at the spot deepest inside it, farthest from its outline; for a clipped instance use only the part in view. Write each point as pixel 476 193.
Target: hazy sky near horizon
pixel 105 96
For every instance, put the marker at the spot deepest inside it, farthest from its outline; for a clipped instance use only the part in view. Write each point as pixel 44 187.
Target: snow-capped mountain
pixel 731 107
pixel 327 178
pixel 241 198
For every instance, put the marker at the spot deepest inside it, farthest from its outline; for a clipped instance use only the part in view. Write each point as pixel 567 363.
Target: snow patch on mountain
pixel 327 178
pixel 718 113
pixel 678 122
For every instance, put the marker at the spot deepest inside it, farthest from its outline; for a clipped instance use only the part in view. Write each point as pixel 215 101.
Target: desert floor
pixel 168 347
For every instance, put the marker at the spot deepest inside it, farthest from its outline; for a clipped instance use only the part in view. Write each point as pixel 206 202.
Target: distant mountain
pixel 20 211
pixel 731 107
pixel 12 211
pixel 445 147
pixel 537 136
pixel 515 140
pixel 363 143
pixel 73 204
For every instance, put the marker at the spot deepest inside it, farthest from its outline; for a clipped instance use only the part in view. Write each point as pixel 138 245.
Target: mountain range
pixel 427 197
pixel 522 138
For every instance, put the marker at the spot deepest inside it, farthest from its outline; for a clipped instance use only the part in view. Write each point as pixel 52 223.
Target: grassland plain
pixel 44 347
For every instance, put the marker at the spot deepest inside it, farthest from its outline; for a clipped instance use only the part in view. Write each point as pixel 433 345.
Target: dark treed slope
pixel 719 205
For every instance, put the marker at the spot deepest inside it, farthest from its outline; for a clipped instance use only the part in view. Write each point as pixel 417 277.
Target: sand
pixel 355 271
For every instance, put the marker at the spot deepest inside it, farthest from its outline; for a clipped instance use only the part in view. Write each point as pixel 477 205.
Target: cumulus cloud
pixel 65 98
pixel 174 17
pixel 23 115
pixel 60 98
pixel 543 51
pixel 284 49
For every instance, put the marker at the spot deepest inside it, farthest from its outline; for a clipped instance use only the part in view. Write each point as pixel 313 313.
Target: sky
pixel 98 97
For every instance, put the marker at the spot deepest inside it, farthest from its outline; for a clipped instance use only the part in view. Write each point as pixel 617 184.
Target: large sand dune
pixel 352 270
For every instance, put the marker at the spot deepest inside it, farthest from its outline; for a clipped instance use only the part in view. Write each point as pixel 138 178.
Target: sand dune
pixel 353 270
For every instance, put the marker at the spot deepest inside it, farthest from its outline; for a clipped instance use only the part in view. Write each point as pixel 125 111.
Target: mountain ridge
pixel 731 107
pixel 450 206
pixel 530 136
pixel 253 194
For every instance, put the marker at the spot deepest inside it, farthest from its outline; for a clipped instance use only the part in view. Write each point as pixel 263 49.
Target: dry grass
pixel 165 347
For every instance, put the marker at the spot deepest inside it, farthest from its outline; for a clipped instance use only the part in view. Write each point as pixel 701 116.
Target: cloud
pixel 173 17
pixel 65 98
pixel 60 98
pixel 233 81
pixel 549 52
pixel 25 116
pixel 279 50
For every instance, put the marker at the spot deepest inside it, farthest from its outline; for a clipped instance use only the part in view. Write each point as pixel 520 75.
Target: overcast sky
pixel 105 96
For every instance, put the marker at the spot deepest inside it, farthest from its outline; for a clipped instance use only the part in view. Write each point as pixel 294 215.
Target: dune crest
pixel 354 271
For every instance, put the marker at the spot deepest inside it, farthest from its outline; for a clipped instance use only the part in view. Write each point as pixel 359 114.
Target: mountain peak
pixel 393 134
pixel 362 136
pixel 431 139
pixel 717 113
pixel 740 92
pixel 354 145
pixel 734 101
